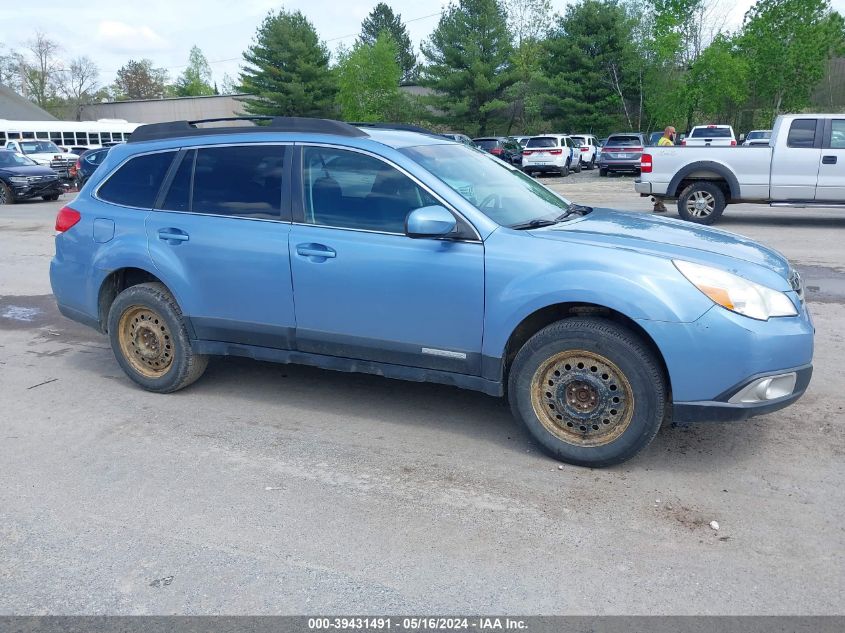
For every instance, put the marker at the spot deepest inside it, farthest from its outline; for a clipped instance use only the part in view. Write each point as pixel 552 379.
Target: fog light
pixel 768 388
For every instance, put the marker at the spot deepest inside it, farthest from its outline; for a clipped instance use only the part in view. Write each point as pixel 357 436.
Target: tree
pixel 79 80
pixel 40 74
pixel 196 80
pixel 287 69
pixel 140 80
pixel 718 81
pixel 592 66
pixel 229 85
pixel 788 44
pixel 368 81
pixel 382 19
pixel 469 65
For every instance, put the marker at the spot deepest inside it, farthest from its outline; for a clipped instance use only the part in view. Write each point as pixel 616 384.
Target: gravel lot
pixel 281 489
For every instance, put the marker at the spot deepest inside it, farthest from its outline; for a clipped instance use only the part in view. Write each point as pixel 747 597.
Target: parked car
pixel 654 138
pixel 45 153
pixel 802 168
pixel 22 179
pixel 460 138
pixel 502 147
pixel 589 147
pixel 548 153
pixel 86 164
pixel 757 138
pixel 522 140
pixel 414 257
pixel 710 135
pixel 621 153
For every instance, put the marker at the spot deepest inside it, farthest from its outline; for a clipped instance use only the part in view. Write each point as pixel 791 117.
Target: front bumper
pixel 722 410
pixel 35 190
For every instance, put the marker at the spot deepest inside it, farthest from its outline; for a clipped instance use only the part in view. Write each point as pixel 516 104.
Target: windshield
pixel 39 147
pixel 712 132
pixel 487 143
pixel 542 141
pixel 501 192
pixel 10 159
pixel 624 141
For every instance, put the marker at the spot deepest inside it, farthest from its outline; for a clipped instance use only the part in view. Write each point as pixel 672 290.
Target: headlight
pixel 737 294
pixel 19 180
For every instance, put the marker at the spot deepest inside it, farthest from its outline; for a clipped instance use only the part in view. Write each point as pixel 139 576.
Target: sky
pixel 113 31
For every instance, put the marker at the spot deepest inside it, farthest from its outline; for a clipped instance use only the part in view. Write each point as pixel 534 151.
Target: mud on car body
pixel 410 256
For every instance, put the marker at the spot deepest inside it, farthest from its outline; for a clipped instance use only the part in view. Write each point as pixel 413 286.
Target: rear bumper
pixel 633 165
pixel 543 168
pixel 643 188
pixel 722 410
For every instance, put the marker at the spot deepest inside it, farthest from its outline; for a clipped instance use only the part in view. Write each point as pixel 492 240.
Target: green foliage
pixel 368 81
pixel 718 81
pixel 592 68
pixel 382 20
pixel 788 44
pixel 196 80
pixel 140 80
pixel 287 69
pixel 469 65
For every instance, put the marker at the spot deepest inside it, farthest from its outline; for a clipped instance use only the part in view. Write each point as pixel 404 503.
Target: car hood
pixel 667 237
pixel 28 170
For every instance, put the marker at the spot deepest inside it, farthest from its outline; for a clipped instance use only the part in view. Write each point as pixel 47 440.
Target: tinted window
pixel 759 135
pixel 137 182
pixel 837 134
pixel 95 158
pixel 487 143
pixel 542 141
pixel 711 132
pixel 241 180
pixel 623 141
pixel 353 190
pixel 802 133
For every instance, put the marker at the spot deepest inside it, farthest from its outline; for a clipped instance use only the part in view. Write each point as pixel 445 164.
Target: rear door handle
pixel 828 160
pixel 173 236
pixel 317 251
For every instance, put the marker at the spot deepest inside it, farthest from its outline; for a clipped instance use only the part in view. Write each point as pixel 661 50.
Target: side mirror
pixel 433 221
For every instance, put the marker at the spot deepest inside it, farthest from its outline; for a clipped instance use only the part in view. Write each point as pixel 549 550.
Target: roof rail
pixel 405 127
pixel 176 129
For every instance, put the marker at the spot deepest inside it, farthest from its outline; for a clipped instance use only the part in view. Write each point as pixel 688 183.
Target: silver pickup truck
pixel 802 166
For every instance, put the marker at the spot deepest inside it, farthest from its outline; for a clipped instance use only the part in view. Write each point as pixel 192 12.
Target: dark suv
pixel 22 179
pixel 502 147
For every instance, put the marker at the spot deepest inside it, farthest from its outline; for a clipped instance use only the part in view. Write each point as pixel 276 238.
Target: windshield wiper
pixel 532 224
pixel 573 210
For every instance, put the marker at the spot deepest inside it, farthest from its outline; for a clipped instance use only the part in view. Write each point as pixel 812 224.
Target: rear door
pixel 219 234
pixel 795 164
pixel 831 183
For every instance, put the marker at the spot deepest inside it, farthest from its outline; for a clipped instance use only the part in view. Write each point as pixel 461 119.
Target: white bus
pixel 73 136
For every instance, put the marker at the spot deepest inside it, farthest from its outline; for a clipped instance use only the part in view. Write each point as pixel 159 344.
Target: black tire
pixel 564 172
pixel 163 361
pixel 577 168
pixel 592 164
pixel 602 172
pixel 6 194
pixel 613 372
pixel 50 198
pixel 701 202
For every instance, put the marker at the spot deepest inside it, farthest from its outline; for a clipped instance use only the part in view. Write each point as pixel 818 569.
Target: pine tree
pixel 382 19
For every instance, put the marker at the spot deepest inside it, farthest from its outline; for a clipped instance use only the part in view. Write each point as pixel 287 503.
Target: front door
pixel 363 289
pixel 220 236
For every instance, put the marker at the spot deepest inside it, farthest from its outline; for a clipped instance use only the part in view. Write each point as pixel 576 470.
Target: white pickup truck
pixel 803 166
pixel 45 153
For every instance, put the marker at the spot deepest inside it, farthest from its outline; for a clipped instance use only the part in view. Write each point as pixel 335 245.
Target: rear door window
pixel 802 133
pixel 542 141
pixel 136 183
pixel 837 134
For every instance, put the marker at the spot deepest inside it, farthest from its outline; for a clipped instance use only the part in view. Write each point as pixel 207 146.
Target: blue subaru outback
pixel 403 254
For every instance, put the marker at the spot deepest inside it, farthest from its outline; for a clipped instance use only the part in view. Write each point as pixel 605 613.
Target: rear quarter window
pixel 136 183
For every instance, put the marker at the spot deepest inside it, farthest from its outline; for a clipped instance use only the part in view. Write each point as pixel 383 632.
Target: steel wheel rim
pixel 582 398
pixel 145 341
pixel 701 204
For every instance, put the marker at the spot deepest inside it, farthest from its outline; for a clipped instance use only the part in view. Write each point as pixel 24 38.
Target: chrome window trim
pixel 402 170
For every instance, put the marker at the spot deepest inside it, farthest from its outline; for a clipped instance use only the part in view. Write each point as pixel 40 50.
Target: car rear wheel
pixel 577 168
pixel 701 202
pixel 50 198
pixel 590 391
pixel 565 170
pixel 592 163
pixel 150 341
pixel 602 172
pixel 6 195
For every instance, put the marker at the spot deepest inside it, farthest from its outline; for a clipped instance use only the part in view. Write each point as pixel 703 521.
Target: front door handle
pixel 317 251
pixel 173 236
pixel 828 160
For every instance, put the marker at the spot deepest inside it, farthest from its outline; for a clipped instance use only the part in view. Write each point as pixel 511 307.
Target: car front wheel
pixel 589 390
pixel 150 340
pixel 6 195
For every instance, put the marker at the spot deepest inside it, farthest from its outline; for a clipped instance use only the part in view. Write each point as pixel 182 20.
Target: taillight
pixel 585 149
pixel 526 152
pixel 66 218
pixel 683 143
pixel 733 143
pixel 555 151
pixel 634 149
pixel 496 151
pixel 645 164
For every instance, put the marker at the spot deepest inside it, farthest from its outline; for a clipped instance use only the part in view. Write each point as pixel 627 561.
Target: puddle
pixel 20 313
pixel 822 284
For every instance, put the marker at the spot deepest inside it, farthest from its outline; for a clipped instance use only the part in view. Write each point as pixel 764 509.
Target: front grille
pixel 796 283
pixel 61 166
